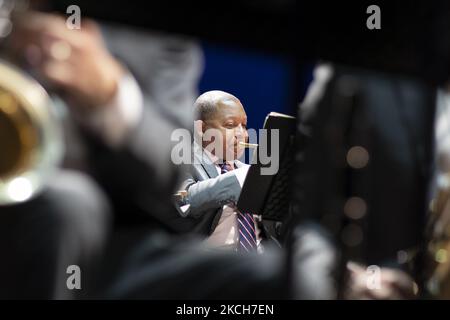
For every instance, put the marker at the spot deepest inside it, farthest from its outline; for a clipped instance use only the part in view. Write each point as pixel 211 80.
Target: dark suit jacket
pixel 208 191
pixel 139 176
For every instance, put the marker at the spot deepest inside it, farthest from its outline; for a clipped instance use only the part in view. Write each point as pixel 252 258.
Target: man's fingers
pixel 393 284
pixel 33 55
pixel 58 73
pixel 91 27
pixel 39 37
pixel 34 20
pixel 398 279
pixel 355 267
pixel 55 48
pixel 34 24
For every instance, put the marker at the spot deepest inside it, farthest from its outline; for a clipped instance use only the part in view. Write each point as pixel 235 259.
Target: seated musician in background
pixel 212 187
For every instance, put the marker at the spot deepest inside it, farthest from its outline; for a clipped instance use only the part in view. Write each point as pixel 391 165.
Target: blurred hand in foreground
pixel 74 62
pixel 389 284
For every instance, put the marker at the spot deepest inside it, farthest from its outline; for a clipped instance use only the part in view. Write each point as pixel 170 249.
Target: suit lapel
pixel 203 162
pixel 238 164
pixel 210 170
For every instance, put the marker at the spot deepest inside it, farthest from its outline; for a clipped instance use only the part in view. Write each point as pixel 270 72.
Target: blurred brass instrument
pixel 31 144
pixel 30 138
pixel 437 270
pixel 248 145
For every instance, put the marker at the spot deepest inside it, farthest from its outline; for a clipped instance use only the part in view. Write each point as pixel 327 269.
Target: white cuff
pixel 113 121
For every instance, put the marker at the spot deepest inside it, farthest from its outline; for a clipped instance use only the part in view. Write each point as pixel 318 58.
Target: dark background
pixel 260 80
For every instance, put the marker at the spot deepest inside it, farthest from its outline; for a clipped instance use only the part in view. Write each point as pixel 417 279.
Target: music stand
pixel 269 195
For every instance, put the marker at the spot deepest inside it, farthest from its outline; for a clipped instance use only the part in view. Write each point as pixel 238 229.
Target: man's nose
pixel 239 131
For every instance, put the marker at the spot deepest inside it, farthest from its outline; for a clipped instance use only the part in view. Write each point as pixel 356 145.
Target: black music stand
pixel 269 195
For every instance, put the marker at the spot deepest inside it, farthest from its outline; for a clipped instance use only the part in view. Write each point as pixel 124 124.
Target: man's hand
pixel 393 285
pixel 74 62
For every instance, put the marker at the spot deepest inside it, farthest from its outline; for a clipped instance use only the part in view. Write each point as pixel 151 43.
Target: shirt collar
pixel 212 158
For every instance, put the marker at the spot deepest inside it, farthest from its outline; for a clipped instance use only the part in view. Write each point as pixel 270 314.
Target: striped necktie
pixel 246 223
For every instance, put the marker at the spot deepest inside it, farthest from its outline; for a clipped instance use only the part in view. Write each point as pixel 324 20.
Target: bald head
pixel 209 103
pixel 224 113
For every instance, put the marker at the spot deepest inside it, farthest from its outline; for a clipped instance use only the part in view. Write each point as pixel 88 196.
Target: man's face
pixel 229 126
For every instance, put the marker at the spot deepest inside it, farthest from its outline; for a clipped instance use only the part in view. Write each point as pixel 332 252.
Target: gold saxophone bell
pixel 30 137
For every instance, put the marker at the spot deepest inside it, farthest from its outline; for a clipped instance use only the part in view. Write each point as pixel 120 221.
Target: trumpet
pixel 248 145
pixel 31 144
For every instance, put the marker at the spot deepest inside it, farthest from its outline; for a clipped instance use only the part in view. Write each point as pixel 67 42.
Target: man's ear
pixel 199 128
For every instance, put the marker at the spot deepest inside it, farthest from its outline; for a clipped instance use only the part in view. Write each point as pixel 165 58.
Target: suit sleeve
pixel 205 195
pixel 138 175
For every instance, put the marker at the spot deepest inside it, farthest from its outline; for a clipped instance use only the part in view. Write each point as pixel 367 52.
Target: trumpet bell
pixel 30 137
